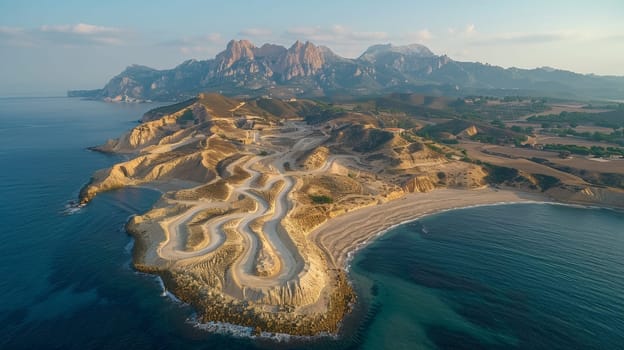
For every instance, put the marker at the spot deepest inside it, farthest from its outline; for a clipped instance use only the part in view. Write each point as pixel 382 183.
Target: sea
pixel 517 276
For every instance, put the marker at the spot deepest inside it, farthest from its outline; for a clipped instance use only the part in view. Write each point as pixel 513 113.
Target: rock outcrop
pixel 421 183
pixel 588 195
pixel 301 60
pixel 469 132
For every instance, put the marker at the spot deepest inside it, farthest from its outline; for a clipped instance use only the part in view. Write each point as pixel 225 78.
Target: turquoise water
pixel 523 276
pixel 517 276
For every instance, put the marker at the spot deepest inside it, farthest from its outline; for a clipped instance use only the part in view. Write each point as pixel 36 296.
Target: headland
pixel 264 200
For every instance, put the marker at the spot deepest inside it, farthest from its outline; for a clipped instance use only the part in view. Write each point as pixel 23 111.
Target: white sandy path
pixel 157 149
pixel 172 249
pixel 291 263
pixel 290 260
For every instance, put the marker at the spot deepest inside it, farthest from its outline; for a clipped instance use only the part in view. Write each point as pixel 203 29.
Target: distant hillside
pixel 307 70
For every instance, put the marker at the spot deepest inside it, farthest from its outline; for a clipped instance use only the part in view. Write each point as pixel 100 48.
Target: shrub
pixel 321 199
pixel 187 116
pixel 546 181
pixel 500 174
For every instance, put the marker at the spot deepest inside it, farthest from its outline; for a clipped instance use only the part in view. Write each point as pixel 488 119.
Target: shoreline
pixel 364 225
pixel 487 196
pixel 241 331
pixel 325 237
pixel 409 208
pixel 351 254
pixel 479 197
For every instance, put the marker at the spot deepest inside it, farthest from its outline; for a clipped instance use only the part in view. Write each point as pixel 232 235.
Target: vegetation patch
pixel 611 119
pixel 593 177
pixel 161 111
pixel 546 181
pixel 490 107
pixel 321 199
pixel 277 107
pixel 186 117
pixel 493 133
pixel 500 174
pixel 360 137
pixel 321 113
pixel 597 151
pixel 616 136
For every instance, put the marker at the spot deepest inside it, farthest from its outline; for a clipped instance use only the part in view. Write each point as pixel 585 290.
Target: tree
pixel 498 123
pixel 517 128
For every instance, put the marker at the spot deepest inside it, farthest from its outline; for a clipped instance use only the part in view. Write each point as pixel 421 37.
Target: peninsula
pixel 265 199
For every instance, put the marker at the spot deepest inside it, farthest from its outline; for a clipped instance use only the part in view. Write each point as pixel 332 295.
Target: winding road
pixel 272 238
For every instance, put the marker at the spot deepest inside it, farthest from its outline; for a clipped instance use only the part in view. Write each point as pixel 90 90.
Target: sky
pixel 49 47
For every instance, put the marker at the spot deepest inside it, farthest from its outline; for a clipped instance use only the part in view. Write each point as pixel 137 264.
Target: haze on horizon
pixel 50 47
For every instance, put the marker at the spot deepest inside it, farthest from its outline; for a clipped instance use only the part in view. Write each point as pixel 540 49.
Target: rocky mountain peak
pixel 300 48
pixel 416 49
pixel 296 45
pixel 310 70
pixel 301 60
pixel 374 52
pixel 270 50
pixel 235 50
pixel 137 68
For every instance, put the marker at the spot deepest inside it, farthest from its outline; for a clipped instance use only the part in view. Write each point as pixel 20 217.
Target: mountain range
pixel 308 70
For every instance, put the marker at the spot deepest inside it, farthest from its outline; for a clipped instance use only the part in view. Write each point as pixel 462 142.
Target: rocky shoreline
pixel 215 307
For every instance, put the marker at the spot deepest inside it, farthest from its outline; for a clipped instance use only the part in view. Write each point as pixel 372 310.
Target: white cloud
pixel 334 34
pixel 80 34
pixel 348 34
pixel 10 30
pixel 14 36
pixel 256 32
pixel 344 40
pixel 197 50
pixel 531 38
pixel 212 38
pixel 80 28
pixel 304 31
pixel 420 36
pixel 200 45
pixel 470 30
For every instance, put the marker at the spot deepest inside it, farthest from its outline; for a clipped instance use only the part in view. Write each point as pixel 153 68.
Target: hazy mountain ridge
pixel 305 69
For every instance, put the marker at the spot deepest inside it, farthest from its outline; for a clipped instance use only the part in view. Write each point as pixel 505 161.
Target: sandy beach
pixel 343 235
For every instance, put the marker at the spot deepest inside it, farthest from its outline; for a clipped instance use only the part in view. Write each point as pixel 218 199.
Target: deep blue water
pixel 517 276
